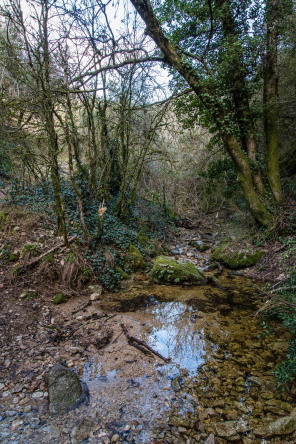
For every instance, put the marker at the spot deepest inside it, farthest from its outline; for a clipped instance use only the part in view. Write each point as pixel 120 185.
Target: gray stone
pixel 37 395
pixel 82 430
pixel 282 426
pixel 65 390
pixel 226 429
pixel 210 439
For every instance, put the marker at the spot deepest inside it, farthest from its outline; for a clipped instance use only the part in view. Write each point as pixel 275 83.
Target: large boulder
pixel 234 258
pixel 168 270
pixel 64 389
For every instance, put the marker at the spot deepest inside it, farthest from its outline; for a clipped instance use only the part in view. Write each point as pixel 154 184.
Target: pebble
pixel 37 395
pixel 16 424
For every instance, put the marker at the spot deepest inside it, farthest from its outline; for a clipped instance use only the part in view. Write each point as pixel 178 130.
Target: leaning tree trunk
pixel 270 95
pixel 232 144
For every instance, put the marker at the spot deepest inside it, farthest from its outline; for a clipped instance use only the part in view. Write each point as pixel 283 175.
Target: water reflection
pixel 175 334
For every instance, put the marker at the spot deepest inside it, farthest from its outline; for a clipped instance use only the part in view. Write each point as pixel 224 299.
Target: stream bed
pixel 218 387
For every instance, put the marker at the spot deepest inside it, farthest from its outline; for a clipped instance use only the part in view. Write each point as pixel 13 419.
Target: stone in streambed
pixel 65 390
pixel 234 258
pixel 168 270
pixel 282 426
pixel 82 430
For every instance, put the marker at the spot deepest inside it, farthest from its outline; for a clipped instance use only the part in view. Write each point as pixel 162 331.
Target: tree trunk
pixel 270 95
pixel 232 144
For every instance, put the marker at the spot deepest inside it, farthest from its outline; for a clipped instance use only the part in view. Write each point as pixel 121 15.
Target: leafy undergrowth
pixel 281 305
pixel 104 256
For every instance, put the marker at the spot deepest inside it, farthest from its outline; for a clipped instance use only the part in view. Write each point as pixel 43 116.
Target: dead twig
pixel 141 345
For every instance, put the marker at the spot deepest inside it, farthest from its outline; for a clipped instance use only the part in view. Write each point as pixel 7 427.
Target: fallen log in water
pixel 141 345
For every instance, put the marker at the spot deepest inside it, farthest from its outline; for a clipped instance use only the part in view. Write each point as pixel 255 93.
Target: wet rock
pixel 176 383
pixel 82 430
pixel 227 430
pixel 255 380
pixel 168 270
pixel 65 390
pixel 211 439
pixel 282 426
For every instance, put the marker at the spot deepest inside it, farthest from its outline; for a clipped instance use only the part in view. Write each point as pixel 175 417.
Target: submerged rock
pixel 168 270
pixel 227 429
pixel 236 259
pixel 65 390
pixel 82 430
pixel 282 426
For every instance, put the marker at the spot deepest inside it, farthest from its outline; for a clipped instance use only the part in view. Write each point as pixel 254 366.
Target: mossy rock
pixel 168 270
pixel 238 258
pixel 135 259
pixel 60 299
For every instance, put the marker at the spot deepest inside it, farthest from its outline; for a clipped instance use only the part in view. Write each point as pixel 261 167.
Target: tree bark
pixel 270 95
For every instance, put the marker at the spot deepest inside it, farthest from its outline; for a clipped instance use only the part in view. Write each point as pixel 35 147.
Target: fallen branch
pixel 220 268
pixel 216 283
pixel 38 259
pixel 141 345
pixel 81 308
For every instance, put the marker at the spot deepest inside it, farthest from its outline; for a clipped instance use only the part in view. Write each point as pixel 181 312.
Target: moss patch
pixel 168 270
pixel 13 257
pixel 238 258
pixel 135 259
pixel 122 273
pixel 60 299
pixel 4 219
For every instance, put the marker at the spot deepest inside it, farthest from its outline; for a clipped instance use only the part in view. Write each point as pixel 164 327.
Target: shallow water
pixel 204 330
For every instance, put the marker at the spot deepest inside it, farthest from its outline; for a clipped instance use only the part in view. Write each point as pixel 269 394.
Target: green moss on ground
pixel 60 299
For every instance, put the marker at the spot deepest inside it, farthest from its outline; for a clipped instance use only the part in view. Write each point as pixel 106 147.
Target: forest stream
pixel 218 386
